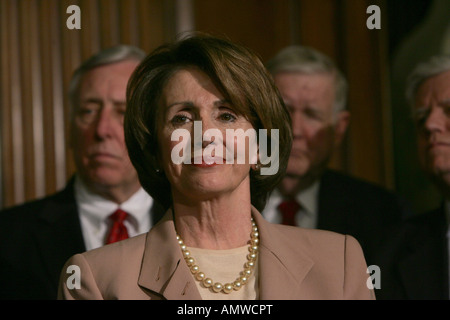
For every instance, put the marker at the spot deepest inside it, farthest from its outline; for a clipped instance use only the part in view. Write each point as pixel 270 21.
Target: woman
pixel 212 242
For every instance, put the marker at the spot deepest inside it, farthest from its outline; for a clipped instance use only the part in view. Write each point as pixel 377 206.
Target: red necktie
pixel 118 230
pixel 288 209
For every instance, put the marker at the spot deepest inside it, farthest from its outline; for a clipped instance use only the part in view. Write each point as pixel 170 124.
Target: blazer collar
pixel 167 275
pixel 282 264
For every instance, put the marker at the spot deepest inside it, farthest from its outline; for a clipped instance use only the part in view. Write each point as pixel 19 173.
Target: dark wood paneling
pixel 365 57
pixel 262 25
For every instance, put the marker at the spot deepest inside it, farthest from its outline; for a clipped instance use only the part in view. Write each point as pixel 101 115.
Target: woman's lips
pixel 205 162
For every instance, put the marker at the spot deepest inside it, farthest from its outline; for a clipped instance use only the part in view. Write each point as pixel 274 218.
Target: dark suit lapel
pixel 58 233
pixel 424 270
pixel 332 204
pixel 419 275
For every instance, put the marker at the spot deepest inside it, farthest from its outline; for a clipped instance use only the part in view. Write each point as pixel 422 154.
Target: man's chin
pixel 298 171
pixel 106 178
pixel 299 168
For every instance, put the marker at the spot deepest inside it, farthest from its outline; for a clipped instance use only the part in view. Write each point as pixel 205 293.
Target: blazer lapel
pixel 163 269
pixel 166 275
pixel 280 276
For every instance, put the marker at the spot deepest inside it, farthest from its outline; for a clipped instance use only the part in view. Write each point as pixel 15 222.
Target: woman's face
pixel 190 103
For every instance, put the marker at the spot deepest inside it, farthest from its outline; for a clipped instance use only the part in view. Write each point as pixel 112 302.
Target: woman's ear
pixel 254 161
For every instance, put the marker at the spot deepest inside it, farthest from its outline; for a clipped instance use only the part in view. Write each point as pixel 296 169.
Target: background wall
pixel 38 54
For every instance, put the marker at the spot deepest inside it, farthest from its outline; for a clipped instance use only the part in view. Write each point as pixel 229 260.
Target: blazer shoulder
pixel 337 263
pixel 129 250
pixel 316 241
pixel 105 272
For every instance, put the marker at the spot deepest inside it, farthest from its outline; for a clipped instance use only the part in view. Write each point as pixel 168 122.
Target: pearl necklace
pixel 244 275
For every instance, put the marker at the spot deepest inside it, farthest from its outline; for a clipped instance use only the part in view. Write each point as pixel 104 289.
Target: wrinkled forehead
pixel 186 79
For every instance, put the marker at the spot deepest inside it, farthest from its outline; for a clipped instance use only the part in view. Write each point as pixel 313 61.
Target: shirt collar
pixel 97 209
pixel 308 199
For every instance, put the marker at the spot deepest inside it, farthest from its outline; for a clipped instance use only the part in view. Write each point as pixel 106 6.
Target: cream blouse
pixel 224 266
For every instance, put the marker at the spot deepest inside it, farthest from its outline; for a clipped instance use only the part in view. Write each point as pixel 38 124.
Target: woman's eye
pixel 227 117
pixel 179 119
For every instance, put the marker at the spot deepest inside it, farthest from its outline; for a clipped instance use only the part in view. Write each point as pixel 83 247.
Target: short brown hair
pixel 240 76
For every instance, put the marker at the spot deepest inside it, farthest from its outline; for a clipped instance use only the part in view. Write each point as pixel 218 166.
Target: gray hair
pixel 107 56
pixel 310 61
pixel 423 71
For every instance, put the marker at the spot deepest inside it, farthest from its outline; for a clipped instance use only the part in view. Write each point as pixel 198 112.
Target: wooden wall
pixel 38 54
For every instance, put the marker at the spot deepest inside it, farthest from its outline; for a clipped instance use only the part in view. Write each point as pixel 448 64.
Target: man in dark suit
pixel 36 238
pixel 311 195
pixel 415 264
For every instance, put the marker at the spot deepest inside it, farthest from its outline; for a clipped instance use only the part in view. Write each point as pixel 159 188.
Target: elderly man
pixel 416 262
pixel 311 195
pixel 104 201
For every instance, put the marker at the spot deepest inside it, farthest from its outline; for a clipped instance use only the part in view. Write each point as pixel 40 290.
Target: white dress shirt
pixel 307 215
pixel 94 211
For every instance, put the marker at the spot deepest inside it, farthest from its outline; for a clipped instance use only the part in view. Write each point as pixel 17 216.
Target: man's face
pixel 97 135
pixel 432 117
pixel 316 129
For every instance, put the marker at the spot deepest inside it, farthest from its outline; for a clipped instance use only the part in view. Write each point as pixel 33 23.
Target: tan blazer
pixel 294 263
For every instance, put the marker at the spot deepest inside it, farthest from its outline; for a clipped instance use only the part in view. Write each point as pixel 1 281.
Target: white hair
pixel 310 61
pixel 423 71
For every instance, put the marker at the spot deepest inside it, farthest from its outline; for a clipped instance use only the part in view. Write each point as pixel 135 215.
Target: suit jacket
pixel 36 238
pixel 294 263
pixel 367 212
pixel 415 262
